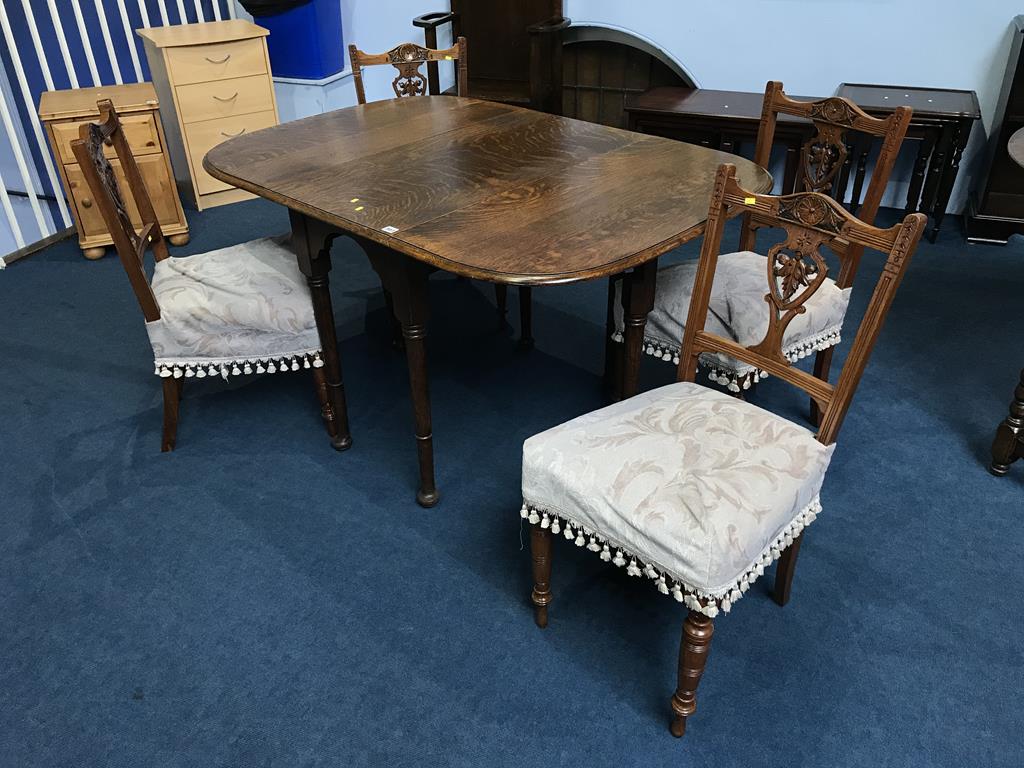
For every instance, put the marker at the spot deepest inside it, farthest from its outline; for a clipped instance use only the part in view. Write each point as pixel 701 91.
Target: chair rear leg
pixel 694 647
pixel 540 551
pixel 320 384
pixel 525 316
pixel 822 366
pixel 784 571
pixel 172 398
pixel 501 297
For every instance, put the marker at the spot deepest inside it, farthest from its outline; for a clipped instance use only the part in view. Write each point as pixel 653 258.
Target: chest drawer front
pixel 140 130
pixel 202 137
pixel 158 183
pixel 227 98
pixel 217 61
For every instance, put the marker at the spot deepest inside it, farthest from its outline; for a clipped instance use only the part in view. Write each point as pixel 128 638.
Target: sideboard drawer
pixel 155 176
pixel 202 137
pixel 216 61
pixel 226 98
pixel 140 130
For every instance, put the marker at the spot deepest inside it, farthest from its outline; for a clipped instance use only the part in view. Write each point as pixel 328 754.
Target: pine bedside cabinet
pixel 213 79
pixel 63 111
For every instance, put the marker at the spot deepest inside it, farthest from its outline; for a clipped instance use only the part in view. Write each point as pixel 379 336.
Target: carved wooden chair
pixel 694 489
pixel 737 302
pixel 238 310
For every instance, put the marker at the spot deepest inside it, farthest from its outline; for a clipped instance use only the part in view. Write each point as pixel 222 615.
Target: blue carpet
pixel 256 599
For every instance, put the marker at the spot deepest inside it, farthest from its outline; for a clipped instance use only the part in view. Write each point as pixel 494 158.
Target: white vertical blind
pixel 34 32
pixel 86 43
pixel 12 219
pixel 199 11
pixel 129 35
pixel 163 11
pixel 181 12
pixel 105 31
pixel 19 159
pixel 144 13
pixel 58 28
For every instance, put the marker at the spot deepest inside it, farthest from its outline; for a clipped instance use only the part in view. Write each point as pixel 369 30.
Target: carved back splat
pixel 825 153
pixel 796 270
pixel 407 59
pixel 99 174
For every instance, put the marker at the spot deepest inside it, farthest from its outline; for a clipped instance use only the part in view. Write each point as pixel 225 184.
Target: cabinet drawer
pixel 216 61
pixel 159 184
pixel 139 130
pixel 227 98
pixel 202 137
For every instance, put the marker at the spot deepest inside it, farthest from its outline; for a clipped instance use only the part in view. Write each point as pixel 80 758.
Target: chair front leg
pixel 540 551
pixel 693 655
pixel 784 571
pixel 172 397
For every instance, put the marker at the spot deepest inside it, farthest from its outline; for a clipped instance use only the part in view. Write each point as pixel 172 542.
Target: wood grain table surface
pixel 479 189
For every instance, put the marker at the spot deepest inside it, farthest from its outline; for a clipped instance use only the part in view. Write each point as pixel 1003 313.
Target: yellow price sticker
pixel 750 200
pixel 360 207
pixel 447 58
pixel 354 200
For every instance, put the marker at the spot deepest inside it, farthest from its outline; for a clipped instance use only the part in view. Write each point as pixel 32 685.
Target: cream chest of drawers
pixel 213 80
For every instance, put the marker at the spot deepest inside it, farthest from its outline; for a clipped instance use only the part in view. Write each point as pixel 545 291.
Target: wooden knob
pixel 150 143
pixel 108 141
pixel 86 202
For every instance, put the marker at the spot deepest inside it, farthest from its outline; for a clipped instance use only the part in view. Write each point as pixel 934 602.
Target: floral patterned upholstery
pixel 737 311
pixel 687 485
pixel 241 309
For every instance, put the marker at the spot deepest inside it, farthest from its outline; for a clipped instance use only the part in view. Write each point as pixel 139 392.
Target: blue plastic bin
pixel 306 42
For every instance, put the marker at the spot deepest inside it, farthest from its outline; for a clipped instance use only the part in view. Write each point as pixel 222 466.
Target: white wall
pixel 814 45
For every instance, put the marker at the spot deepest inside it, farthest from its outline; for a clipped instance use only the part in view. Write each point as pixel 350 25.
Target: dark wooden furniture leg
pixel 784 571
pixel 501 297
pixel 525 317
pixel 637 302
pixel 1009 443
pixel 320 384
pixel 612 350
pixel 172 398
pixel 936 169
pixel 540 550
pixel 311 241
pixel 924 152
pixel 962 132
pixel 406 280
pixel 822 367
pixel 693 655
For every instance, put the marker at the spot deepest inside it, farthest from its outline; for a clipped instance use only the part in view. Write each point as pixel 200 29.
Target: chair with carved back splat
pixel 688 486
pixel 241 309
pixel 736 304
pixel 407 58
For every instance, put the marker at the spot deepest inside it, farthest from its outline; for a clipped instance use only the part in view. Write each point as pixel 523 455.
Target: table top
pixel 486 190
pixel 704 102
pixel 926 102
pixel 1015 147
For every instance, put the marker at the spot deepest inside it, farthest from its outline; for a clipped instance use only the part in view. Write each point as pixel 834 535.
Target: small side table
pixel 62 112
pixel 1009 443
pixel 942 122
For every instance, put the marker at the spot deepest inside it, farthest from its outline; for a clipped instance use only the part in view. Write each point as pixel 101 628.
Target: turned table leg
pixel 637 302
pixel 406 279
pixel 1009 443
pixel 311 241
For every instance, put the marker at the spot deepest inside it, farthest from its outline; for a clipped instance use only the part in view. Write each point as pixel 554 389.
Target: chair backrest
pixel 99 173
pixel 407 59
pixel 824 155
pixel 796 270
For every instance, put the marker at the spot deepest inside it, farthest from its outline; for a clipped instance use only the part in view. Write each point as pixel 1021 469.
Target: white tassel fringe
pixel 708 603
pixel 226 368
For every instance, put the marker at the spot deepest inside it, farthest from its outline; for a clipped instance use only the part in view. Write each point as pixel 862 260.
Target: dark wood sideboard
pixel 942 123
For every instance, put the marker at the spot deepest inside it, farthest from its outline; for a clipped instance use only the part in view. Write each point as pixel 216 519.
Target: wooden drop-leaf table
pixel 483 190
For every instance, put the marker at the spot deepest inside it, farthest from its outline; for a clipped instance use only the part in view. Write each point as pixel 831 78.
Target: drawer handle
pixel 229 98
pixel 232 135
pixel 86 202
pixel 218 61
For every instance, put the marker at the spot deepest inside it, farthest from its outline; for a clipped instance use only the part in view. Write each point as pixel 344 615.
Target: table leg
pixel 1008 445
pixel 936 169
pixel 862 148
pixel 406 280
pixel 945 189
pixel 791 168
pixel 637 302
pixel 917 177
pixel 311 241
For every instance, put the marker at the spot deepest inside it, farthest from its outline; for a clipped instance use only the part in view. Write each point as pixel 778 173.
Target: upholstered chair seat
pixel 241 309
pixel 737 311
pixel 688 486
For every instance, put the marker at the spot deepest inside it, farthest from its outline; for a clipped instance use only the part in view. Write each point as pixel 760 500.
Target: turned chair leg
pixel 822 366
pixel 501 297
pixel 540 550
pixel 784 571
pixel 172 397
pixel 693 655
pixel 525 316
pixel 1008 445
pixel 320 384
